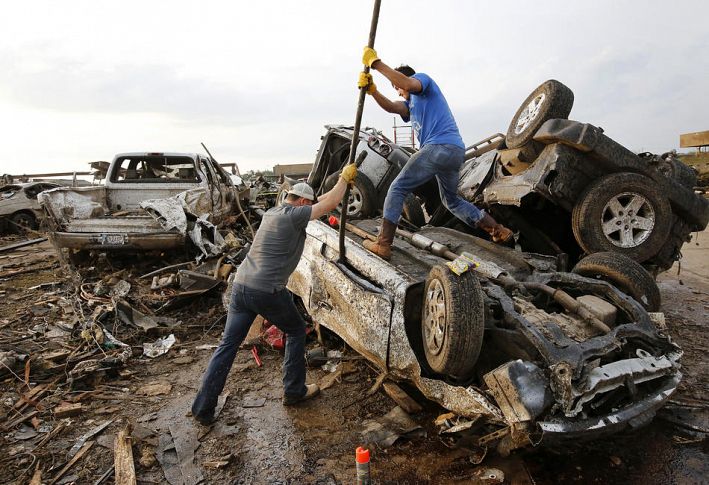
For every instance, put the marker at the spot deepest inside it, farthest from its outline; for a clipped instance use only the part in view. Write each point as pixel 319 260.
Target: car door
pixel 223 192
pixel 340 298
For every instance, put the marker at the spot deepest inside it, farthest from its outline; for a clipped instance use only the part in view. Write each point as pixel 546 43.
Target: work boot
pixel 498 232
pixel 382 246
pixel 311 390
pixel 204 420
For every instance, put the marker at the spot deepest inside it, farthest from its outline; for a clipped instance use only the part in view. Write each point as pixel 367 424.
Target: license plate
pixel 112 239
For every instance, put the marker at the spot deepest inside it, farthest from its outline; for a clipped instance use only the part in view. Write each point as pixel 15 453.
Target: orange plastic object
pixel 362 455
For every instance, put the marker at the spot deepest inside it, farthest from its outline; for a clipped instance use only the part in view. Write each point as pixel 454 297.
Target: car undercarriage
pixel 539 354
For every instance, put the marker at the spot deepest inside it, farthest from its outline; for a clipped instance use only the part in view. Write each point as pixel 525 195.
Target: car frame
pixel 563 186
pixel 529 381
pixel 571 195
pixel 568 188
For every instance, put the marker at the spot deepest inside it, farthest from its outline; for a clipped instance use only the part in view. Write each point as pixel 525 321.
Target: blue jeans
pixel 442 162
pixel 246 303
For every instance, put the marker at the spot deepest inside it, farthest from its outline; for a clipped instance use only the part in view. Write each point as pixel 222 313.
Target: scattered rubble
pixel 74 376
pixel 71 341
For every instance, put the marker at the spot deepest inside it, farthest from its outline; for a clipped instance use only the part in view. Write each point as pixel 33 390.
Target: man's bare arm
pixel 411 84
pixel 396 107
pixel 329 200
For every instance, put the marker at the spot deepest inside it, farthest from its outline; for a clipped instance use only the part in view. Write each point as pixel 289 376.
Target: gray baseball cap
pixel 301 189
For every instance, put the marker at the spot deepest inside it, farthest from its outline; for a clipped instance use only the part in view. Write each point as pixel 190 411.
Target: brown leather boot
pixel 498 232
pixel 382 246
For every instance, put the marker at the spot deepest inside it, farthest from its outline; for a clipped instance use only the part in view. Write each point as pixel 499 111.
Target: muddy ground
pixel 256 439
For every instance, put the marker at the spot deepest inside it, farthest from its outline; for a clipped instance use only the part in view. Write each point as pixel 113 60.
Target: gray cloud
pixel 70 86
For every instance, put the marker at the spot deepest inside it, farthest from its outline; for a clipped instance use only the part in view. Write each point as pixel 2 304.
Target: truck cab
pixel 149 201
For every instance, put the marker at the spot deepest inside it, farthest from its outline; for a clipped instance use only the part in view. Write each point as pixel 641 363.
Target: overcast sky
pixel 257 80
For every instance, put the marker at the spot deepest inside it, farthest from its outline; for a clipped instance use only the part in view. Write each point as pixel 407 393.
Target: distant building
pixel 293 170
pixel 698 140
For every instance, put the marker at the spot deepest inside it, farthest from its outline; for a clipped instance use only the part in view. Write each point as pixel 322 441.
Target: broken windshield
pixel 152 168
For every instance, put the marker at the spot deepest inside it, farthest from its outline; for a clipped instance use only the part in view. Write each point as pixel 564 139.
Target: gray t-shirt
pixel 276 249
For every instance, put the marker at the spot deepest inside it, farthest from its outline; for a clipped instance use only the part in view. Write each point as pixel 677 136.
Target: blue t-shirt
pixel 430 115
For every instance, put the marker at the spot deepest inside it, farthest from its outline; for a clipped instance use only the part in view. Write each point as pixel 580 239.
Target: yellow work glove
pixel 365 81
pixel 349 173
pixel 369 56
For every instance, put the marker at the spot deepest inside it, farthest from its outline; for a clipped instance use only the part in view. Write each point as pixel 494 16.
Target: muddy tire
pixel 550 100
pixel 681 173
pixel 452 322
pixel 624 213
pixel 23 221
pixel 363 196
pixel 623 273
pixel 413 212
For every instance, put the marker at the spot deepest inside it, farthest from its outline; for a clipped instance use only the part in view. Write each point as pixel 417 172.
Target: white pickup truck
pixel 148 201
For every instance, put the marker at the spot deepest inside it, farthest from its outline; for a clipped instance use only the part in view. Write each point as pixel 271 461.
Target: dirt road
pixel 257 440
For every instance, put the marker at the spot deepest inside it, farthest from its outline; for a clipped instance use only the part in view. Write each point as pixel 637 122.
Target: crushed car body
pixel 569 188
pixel 552 340
pixel 381 164
pixel 19 207
pixel 493 342
pixel 609 198
pixel 149 201
pixel 565 187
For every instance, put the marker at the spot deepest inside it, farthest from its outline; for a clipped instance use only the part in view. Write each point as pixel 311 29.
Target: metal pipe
pixel 568 302
pixel 355 133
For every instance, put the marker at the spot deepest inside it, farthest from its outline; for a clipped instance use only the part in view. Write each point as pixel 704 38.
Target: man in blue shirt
pixel 441 152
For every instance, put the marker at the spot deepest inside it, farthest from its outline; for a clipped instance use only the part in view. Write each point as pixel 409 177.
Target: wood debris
pixel 66 410
pixel 84 449
pixel 123 458
pixel 402 398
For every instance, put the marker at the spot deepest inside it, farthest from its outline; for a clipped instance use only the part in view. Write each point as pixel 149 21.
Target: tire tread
pixel 466 313
pixel 590 204
pixel 624 273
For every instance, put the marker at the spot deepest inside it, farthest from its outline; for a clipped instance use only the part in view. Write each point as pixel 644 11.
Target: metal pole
pixel 355 133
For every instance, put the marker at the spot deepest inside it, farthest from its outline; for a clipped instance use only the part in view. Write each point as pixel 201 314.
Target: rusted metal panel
pixel 692 140
pixel 465 401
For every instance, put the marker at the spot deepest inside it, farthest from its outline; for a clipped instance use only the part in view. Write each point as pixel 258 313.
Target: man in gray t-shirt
pixel 260 289
pixel 276 248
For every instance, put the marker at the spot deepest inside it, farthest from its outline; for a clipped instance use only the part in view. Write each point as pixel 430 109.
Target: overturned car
pixel 564 186
pixel 529 353
pixel 569 188
pixel 382 162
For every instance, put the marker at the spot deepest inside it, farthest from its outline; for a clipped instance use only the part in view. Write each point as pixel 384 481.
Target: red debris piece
pixel 274 337
pixel 254 352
